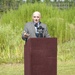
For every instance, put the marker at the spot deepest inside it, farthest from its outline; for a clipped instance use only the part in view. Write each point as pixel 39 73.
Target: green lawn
pixel 12 69
pixel 64 68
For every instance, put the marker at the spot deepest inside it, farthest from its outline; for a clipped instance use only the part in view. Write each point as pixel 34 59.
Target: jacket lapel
pixel 33 27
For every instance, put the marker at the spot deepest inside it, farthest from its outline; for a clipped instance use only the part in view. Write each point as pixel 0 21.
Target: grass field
pixel 12 69
pixel 66 68
pixel 60 23
pixel 63 68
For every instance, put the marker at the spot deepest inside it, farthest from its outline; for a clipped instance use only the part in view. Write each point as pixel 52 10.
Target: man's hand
pixel 26 34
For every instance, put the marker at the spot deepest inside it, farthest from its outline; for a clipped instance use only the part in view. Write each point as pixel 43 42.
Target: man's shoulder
pixel 28 23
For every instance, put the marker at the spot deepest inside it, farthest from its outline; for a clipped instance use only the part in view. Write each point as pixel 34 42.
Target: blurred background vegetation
pixel 14 4
pixel 58 15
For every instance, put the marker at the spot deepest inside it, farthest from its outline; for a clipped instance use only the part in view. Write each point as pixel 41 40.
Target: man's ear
pixel 40 17
pixel 32 17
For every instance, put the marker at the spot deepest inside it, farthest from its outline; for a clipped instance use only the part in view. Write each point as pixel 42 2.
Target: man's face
pixel 36 17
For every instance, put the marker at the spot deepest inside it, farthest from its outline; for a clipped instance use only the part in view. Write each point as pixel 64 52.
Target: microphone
pixel 40 31
pixel 40 28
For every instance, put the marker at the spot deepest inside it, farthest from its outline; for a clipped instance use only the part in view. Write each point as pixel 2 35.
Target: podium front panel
pixel 41 56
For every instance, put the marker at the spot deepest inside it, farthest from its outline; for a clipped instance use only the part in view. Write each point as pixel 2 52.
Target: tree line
pixel 9 4
pixel 14 4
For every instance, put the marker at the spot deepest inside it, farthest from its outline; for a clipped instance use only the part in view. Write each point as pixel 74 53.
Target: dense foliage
pixel 60 23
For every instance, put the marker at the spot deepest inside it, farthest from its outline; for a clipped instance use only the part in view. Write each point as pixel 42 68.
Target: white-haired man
pixel 35 28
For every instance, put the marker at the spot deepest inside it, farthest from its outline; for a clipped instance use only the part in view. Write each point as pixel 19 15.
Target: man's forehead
pixel 36 14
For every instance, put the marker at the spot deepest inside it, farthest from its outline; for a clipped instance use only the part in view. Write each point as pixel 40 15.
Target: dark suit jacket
pixel 30 29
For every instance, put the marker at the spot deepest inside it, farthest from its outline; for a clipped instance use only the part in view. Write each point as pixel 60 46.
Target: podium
pixel 40 56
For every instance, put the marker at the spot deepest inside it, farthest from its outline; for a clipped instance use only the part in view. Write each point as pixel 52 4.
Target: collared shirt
pixel 37 25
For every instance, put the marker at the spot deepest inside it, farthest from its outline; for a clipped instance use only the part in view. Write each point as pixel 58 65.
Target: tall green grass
pixel 60 23
pixel 11 46
pixel 66 51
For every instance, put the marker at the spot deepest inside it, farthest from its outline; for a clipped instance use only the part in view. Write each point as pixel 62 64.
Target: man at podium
pixel 40 55
pixel 36 28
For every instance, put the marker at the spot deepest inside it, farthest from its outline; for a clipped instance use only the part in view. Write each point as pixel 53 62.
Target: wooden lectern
pixel 40 56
